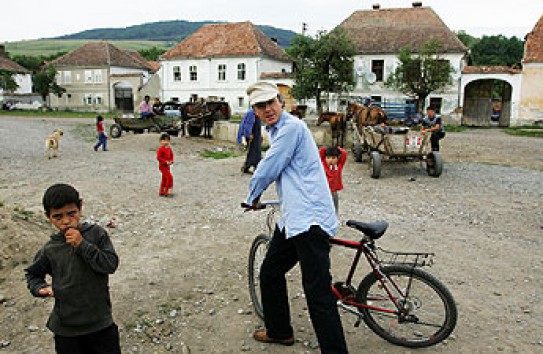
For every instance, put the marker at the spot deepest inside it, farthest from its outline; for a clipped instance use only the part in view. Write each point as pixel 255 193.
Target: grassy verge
pixel 57 114
pixel 534 131
pixel 219 154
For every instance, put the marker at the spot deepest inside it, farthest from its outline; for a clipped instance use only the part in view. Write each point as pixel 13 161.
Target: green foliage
pixel 7 82
pixel 45 83
pixel 218 155
pixel 493 50
pixel 152 53
pixel 33 63
pixel 323 64
pixel 497 50
pixel 421 74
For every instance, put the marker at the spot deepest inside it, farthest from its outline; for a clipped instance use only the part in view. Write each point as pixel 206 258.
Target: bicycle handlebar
pixel 259 205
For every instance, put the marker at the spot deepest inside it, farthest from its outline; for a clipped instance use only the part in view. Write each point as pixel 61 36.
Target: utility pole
pixel 304 28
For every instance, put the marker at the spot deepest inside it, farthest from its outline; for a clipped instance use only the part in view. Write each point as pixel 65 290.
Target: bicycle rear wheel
pixel 256 256
pixel 429 309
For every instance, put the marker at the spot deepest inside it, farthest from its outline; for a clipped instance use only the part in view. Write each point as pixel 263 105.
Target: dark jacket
pixel 79 281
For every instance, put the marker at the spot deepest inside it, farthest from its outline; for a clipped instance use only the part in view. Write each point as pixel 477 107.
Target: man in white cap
pixel 307 222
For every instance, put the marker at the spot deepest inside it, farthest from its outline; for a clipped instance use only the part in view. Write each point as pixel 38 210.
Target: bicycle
pixel 397 300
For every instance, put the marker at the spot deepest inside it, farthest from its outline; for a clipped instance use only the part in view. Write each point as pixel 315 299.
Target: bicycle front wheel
pixel 256 256
pixel 427 312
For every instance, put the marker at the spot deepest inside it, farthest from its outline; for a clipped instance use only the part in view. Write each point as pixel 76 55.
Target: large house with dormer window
pixel 380 34
pixel 100 77
pixel 220 61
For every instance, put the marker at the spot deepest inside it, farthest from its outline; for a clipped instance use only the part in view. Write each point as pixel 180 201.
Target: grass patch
pixel 218 155
pixel 56 114
pixel 534 131
pixel 455 128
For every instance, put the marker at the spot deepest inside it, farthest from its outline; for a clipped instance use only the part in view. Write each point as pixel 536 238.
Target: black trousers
pixel 105 341
pixel 434 140
pixel 312 250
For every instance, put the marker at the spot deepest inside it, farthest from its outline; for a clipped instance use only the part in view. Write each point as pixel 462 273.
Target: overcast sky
pixel 34 19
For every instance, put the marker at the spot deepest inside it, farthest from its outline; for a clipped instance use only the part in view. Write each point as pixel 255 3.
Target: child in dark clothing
pixel 164 155
pixel 333 159
pixel 79 258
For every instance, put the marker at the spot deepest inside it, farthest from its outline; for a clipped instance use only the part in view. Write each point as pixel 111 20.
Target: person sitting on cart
pixel 145 108
pixel 434 125
pixel 158 108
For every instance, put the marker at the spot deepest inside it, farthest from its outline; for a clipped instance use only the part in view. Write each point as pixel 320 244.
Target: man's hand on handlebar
pixel 255 206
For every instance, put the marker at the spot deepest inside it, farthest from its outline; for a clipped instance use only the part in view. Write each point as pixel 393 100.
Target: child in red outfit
pixel 333 159
pixel 164 155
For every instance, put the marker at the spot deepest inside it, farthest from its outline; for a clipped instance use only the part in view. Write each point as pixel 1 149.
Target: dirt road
pixel 182 279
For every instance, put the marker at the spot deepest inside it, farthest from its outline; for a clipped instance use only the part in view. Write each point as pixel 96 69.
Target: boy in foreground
pixel 79 259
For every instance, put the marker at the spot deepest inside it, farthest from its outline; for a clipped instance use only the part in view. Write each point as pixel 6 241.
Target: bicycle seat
pixel 373 230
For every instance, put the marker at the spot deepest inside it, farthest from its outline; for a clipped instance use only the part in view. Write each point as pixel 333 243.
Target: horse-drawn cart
pixel 161 123
pixel 396 143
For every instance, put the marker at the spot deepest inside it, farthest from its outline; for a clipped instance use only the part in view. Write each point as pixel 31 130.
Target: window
pixel 241 72
pixel 98 100
pixel 221 72
pixel 176 73
pixel 58 78
pixel 241 102
pixel 377 67
pixel 67 77
pixel 88 76
pixel 436 102
pixel 193 71
pixel 98 76
pixel 87 99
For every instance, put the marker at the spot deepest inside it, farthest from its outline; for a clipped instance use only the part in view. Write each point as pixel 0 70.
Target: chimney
pixel 376 6
pixel 274 40
pixel 417 3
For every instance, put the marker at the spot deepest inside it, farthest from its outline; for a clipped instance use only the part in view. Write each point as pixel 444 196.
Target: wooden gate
pixel 478 102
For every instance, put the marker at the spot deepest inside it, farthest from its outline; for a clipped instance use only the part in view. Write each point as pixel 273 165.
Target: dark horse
pixel 338 125
pixel 201 115
pixel 363 115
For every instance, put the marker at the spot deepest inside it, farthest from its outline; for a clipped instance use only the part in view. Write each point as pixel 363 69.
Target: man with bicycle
pixel 307 222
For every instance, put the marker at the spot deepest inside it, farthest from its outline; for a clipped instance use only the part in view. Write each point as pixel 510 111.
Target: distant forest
pixel 168 31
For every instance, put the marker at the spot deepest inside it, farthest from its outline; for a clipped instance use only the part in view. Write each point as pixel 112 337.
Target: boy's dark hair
pixel 58 196
pixel 99 119
pixel 332 151
pixel 165 136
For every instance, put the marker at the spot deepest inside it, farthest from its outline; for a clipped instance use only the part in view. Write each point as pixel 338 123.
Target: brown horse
pixel 363 115
pixel 338 125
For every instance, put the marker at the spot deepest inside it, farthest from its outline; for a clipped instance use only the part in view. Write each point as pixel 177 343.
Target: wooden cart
pixel 394 143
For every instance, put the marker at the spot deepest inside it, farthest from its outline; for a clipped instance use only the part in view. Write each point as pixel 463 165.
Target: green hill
pixel 164 34
pixel 167 31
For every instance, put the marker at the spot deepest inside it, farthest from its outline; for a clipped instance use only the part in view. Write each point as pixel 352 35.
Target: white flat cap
pixel 261 92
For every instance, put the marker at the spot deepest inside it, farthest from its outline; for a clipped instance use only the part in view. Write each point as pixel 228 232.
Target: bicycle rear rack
pixel 413 259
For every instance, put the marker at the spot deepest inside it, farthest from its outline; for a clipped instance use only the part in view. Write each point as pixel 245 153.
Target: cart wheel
pixel 194 130
pixel 375 164
pixel 358 151
pixel 154 129
pixel 434 164
pixel 115 131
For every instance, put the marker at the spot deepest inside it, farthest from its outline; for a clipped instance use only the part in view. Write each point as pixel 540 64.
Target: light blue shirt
pixel 293 162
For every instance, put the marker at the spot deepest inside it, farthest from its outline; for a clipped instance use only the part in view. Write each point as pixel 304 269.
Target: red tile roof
pixel 226 40
pixel 533 50
pixel 390 30
pixel 9 65
pixel 101 54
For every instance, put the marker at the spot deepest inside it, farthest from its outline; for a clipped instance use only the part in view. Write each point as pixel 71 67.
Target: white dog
pixel 52 143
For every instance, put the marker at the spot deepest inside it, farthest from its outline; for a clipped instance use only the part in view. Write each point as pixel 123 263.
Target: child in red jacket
pixel 333 159
pixel 164 155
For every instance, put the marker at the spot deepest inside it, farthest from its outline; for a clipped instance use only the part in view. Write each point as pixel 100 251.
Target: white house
pixel 220 61
pixel 380 34
pixel 22 76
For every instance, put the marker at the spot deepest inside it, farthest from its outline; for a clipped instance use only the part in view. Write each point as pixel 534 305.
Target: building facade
pixel 219 62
